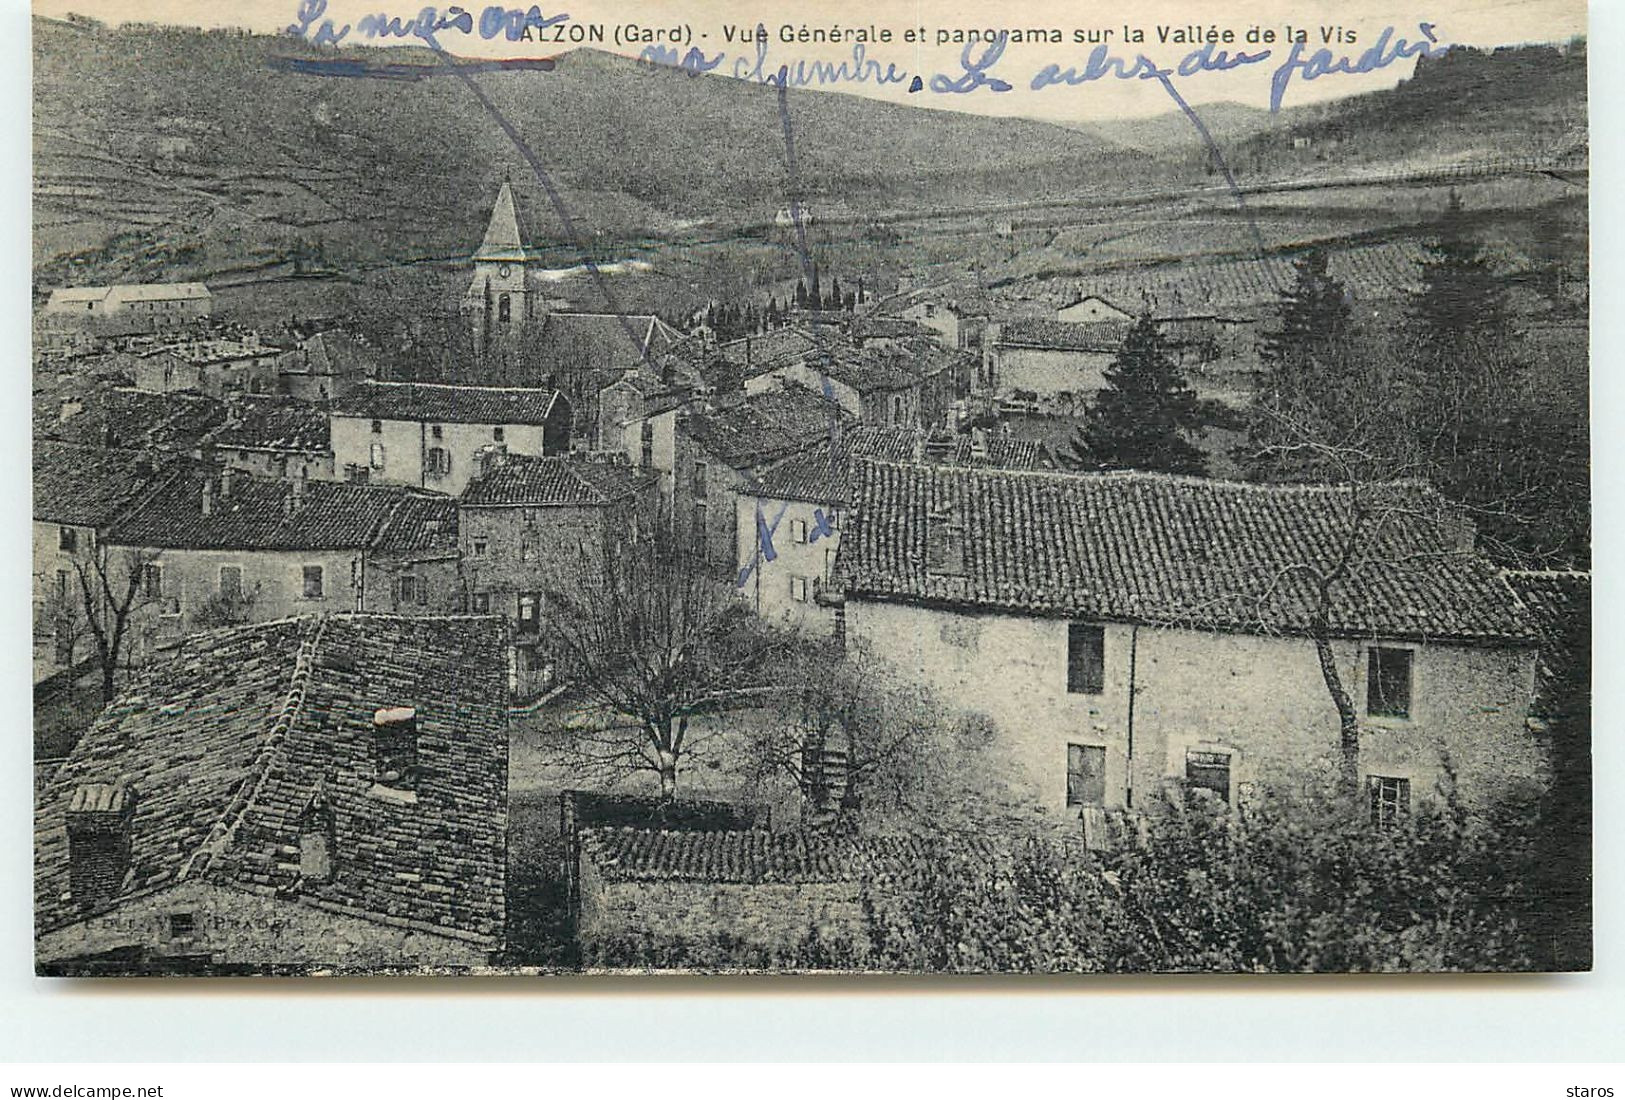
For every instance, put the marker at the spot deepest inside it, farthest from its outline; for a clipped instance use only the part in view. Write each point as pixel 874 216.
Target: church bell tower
pixel 500 301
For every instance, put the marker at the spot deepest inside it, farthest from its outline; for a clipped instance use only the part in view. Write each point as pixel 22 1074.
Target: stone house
pixel 339 801
pixel 1092 308
pixel 1051 363
pixel 528 524
pixel 789 521
pixel 717 452
pixel 217 367
pixel 431 436
pixel 225 546
pixel 78 492
pixel 1127 632
pixel 326 365
pixel 274 437
pixel 866 383
pixel 156 305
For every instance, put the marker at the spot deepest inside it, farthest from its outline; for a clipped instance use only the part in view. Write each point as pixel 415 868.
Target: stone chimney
pixel 99 818
pixel 944 545
pixel 226 477
pixel 208 497
pixel 395 745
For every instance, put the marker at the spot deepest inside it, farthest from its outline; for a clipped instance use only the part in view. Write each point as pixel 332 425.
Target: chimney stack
pixel 208 496
pixel 99 817
pixel 395 743
pixel 225 482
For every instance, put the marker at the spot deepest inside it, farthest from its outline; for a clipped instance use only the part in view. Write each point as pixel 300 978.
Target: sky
pixel 703 25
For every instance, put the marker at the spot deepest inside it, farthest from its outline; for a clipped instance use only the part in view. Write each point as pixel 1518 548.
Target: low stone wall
pixel 714 924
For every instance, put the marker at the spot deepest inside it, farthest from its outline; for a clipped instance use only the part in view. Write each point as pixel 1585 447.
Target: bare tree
pixel 840 726
pixel 649 643
pixel 1390 521
pixel 114 585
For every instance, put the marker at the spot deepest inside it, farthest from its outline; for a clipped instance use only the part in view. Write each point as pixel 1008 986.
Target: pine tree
pixel 1315 315
pixel 815 300
pixel 801 293
pixel 861 292
pixel 1146 415
pixel 1304 358
pixel 835 300
pixel 1459 321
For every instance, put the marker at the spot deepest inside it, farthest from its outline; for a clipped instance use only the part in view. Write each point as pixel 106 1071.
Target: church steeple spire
pixel 503 242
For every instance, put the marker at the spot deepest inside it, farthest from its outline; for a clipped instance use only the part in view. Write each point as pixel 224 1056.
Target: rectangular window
pixel 407 589
pixel 1390 798
pixel 67 539
pixel 1388 683
pixel 231 581
pixel 313 582
pixel 377 427
pixel 482 603
pixel 436 432
pixel 1208 771
pixel 61 584
pixel 700 489
pixel 376 459
pixel 1085 775
pixel 798 589
pixel 480 546
pixel 437 462
pixel 152 580
pixel 646 437
pixel 498 434
pixel 798 531
pixel 1085 659
pixel 182 925
pixel 530 613
pixel 360 475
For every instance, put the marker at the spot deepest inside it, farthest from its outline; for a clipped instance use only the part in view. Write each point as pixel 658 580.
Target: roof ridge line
pixel 1152 476
pixel 225 829
pixel 456 386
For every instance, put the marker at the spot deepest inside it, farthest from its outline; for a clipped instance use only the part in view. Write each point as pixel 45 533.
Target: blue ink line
pixel 764 541
pixel 1161 76
pixel 553 196
pixel 306 66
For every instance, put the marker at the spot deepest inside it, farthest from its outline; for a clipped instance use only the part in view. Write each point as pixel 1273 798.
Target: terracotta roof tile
pixel 258 514
pixel 752 856
pixel 527 479
pixel 1156 549
pixel 89 486
pixel 424 401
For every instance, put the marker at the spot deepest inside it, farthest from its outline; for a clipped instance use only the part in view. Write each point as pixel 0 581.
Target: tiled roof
pixel 128 418
pixel 333 352
pixel 1559 605
pixel 773 348
pixel 422 523
pixel 526 479
pixel 867 370
pixel 892 328
pixel 1102 336
pixel 821 473
pixel 1162 550
pixel 226 745
pixel 258 514
pixel 424 401
pixel 89 486
pixel 205 352
pixel 753 856
pixel 765 426
pixel 276 424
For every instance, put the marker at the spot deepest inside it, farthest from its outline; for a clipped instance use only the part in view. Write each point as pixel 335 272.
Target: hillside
pixel 190 154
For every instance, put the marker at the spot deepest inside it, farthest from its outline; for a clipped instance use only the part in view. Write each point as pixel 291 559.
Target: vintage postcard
pixel 888 487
